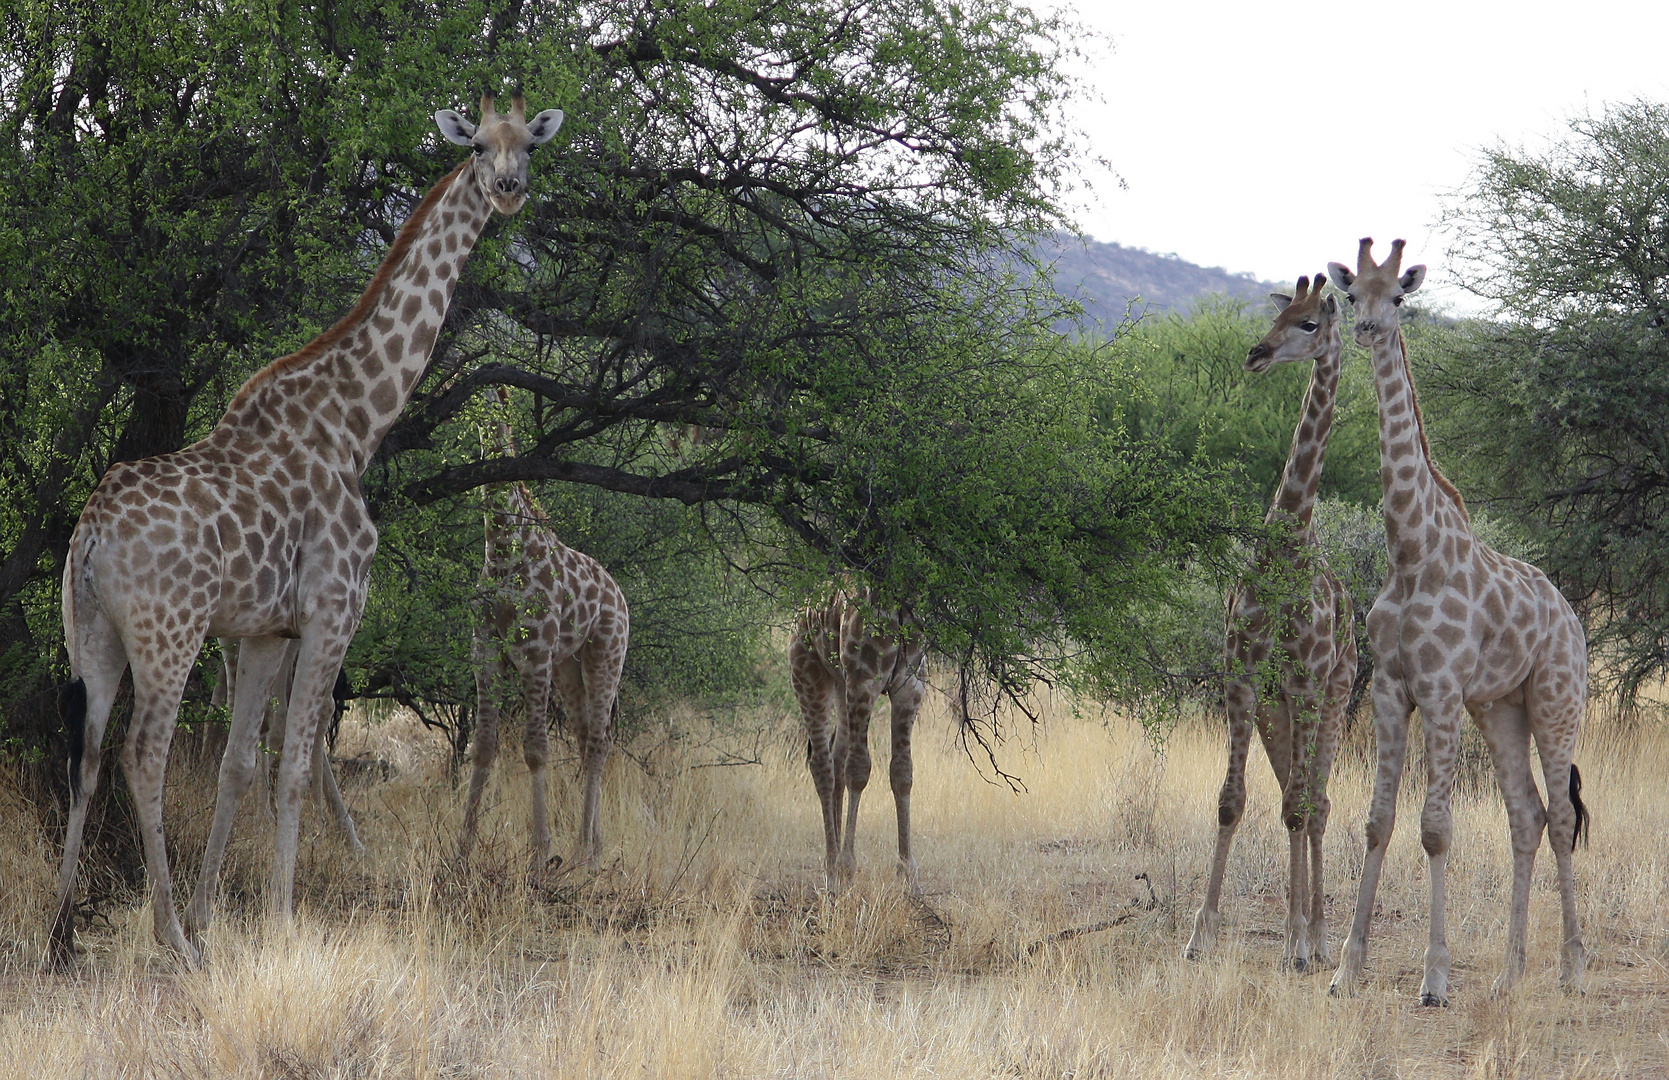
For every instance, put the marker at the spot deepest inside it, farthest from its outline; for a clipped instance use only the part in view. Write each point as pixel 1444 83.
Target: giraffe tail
pixel 72 706
pixel 1582 816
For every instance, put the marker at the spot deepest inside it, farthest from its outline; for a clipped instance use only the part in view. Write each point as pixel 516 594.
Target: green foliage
pixel 1555 414
pixel 1193 393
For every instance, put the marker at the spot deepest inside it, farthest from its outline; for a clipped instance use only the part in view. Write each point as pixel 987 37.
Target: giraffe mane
pixel 367 300
pixel 1443 483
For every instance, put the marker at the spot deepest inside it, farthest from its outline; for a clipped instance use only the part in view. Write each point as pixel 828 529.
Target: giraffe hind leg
pixel 905 702
pixel 87 701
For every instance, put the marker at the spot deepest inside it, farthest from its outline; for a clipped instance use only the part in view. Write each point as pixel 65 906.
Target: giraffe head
pixel 502 143
pixel 1376 291
pixel 1304 327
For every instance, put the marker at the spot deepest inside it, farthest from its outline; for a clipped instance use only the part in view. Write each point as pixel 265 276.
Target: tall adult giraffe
pixel 1291 647
pixel 259 532
pixel 845 654
pixel 1459 628
pixel 554 615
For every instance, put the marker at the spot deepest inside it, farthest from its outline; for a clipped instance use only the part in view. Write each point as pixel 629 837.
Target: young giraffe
pixel 1310 640
pixel 555 615
pixel 1459 628
pixel 844 655
pixel 258 532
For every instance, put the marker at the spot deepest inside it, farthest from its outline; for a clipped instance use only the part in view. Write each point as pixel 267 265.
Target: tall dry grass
pixel 705 947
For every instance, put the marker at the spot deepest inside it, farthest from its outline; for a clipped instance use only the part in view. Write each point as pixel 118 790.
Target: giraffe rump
pixel 72 707
pixel 1583 819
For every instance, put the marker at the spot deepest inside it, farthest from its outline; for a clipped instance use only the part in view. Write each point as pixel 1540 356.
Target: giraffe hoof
pixel 1300 965
pixel 1432 1001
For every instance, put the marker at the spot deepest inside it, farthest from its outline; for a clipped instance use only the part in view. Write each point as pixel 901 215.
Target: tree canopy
pixel 762 275
pixel 1553 412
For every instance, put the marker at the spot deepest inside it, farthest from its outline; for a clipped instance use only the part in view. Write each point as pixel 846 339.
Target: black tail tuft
pixel 1581 833
pixel 72 708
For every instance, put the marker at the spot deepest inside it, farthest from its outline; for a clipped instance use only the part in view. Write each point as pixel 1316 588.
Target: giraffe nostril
pixel 508 184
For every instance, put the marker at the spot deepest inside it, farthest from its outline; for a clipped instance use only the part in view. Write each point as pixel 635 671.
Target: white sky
pixel 1269 137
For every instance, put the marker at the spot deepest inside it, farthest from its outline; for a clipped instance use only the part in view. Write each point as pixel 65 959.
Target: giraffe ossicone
pixel 258 532
pixel 1290 650
pixel 1459 628
pixel 845 653
pixel 556 617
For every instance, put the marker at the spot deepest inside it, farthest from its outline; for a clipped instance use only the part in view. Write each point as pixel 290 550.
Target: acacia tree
pixel 1561 406
pixel 760 275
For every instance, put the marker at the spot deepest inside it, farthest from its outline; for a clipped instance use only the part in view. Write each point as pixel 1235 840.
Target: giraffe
pixel 259 532
pixel 273 725
pixel 845 653
pixel 554 614
pixel 1459 628
pixel 1290 667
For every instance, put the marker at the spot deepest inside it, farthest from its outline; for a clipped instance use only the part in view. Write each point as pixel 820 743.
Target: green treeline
pixel 761 328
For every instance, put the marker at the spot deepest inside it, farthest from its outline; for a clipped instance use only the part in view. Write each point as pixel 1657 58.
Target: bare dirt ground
pixel 1047 943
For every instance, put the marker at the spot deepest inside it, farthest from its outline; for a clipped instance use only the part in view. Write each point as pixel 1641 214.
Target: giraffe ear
pixel 455 127
pixel 1412 278
pixel 1281 300
pixel 544 126
pixel 1330 306
pixel 1341 275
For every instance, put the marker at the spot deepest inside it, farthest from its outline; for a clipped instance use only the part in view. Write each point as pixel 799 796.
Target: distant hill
pixel 1107 277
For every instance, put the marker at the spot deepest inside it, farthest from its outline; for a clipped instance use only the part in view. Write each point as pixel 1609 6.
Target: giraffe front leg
pixel 483 745
pixel 536 693
pixel 905 703
pixel 1442 720
pixel 855 768
pixel 1241 700
pixel 316 666
pixel 814 687
pixel 1392 710
pixel 260 662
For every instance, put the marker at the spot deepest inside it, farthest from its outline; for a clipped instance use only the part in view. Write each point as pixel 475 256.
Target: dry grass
pixel 706 949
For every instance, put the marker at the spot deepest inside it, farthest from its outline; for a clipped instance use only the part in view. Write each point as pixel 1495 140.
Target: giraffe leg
pixel 1391 711
pixel 1442 721
pixel 316 666
pixel 1331 731
pixel 814 687
pixel 157 688
pixel 905 700
pixel 324 778
pixel 601 668
pixel 1297 808
pixel 1241 699
pixel 1556 707
pixel 860 704
pixel 259 661
pixel 536 696
pixel 483 746
pixel 274 720
pixel 101 661
pixel 1506 728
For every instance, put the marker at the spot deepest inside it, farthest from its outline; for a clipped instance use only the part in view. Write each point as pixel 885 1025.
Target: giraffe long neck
pixel 1419 502
pixel 1301 478
pixel 339 395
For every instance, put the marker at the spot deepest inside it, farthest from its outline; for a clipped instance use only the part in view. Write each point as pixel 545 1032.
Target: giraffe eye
pixel 1351 297
pixel 1309 326
pixel 1397 301
pixel 478 148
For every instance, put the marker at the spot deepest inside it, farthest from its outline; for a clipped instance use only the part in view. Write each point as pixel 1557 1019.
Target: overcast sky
pixel 1269 137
